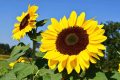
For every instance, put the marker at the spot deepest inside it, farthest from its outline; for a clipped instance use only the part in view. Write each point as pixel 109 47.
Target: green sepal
pixel 41 23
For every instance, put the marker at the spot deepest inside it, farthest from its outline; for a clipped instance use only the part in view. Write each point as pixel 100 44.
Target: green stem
pixel 34 48
pixel 34 44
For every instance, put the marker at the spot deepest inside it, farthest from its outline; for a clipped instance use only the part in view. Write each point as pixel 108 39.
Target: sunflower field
pixel 70 48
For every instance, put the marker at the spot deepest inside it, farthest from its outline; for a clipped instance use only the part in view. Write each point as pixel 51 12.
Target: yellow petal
pixel 100 26
pixel 97 32
pixel 100 46
pixel 68 66
pixel 49 32
pixel 32 9
pixel 64 22
pixel 61 65
pixel 63 60
pixel 52 63
pixel 88 24
pixel 19 18
pixel 55 25
pixel 98 41
pixel 94 55
pixel 91 27
pixel 84 55
pixel 15 30
pixel 45 41
pixel 81 63
pixel 48 36
pixel 62 57
pixel 72 19
pixel 100 53
pixel 52 55
pixel 92 48
pixel 77 68
pixel 81 19
pixel 97 37
pixel 92 60
pixel 16 25
pixel 47 45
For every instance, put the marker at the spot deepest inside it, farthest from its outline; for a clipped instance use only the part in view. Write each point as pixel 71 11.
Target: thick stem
pixel 34 44
pixel 34 49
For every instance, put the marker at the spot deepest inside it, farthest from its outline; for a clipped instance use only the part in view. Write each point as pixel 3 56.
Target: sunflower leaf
pixel 38 39
pixel 22 70
pixel 17 52
pixel 39 54
pixel 99 76
pixel 116 76
pixel 41 23
pixel 10 76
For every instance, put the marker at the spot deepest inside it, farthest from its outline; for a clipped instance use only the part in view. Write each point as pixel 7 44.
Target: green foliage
pixel 100 76
pixel 47 74
pixel 10 76
pixel 4 67
pixel 116 75
pixel 17 52
pixel 39 54
pixel 4 49
pixel 22 70
pixel 38 39
pixel 41 23
pixel 113 42
pixel 112 54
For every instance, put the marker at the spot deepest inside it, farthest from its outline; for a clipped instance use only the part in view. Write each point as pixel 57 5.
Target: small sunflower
pixel 26 22
pixel 21 59
pixel 73 43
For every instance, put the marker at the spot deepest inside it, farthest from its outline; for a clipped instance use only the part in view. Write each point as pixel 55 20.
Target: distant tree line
pixel 5 48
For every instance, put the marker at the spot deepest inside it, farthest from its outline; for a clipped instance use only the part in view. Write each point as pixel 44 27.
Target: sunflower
pixel 21 59
pixel 73 43
pixel 26 22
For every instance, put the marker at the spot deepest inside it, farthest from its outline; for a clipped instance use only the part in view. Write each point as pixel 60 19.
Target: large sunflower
pixel 73 43
pixel 26 22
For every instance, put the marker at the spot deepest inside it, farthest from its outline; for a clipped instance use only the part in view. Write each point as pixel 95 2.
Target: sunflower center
pixel 72 40
pixel 24 22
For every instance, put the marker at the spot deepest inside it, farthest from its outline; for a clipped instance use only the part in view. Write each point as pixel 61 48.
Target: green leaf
pixel 10 76
pixel 48 74
pixel 19 49
pixel 38 39
pixel 116 75
pixel 17 52
pixel 99 76
pixel 47 77
pixel 57 76
pixel 41 23
pixel 22 70
pixel 25 79
pixel 4 64
pixel 4 68
pixel 39 54
pixel 43 72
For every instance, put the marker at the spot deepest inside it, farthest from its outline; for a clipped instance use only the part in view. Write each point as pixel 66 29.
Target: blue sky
pixel 103 10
